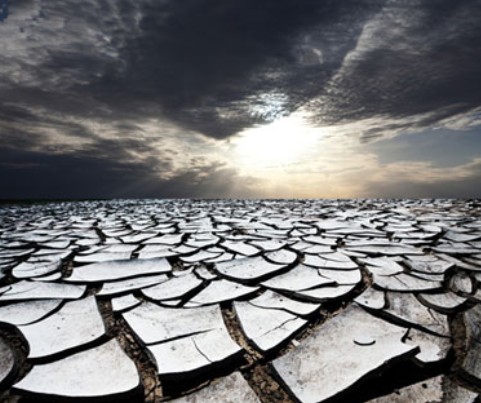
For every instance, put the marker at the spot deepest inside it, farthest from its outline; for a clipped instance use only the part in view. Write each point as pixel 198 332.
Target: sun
pixel 273 145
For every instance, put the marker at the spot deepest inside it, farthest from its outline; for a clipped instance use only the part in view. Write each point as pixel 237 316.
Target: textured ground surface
pixel 241 301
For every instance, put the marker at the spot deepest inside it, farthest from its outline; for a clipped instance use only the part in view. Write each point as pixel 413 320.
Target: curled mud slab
pixel 241 301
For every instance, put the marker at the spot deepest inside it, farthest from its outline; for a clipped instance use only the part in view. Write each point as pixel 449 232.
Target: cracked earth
pixel 241 301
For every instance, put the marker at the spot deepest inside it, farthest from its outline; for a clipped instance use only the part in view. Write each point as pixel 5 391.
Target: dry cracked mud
pixel 241 301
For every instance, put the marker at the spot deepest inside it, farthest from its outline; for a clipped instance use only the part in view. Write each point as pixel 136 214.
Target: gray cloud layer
pixel 215 68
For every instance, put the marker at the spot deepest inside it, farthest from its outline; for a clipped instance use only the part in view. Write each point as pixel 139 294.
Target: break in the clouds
pixel 197 98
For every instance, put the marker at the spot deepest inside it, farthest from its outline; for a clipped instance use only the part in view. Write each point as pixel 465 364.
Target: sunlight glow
pixel 282 142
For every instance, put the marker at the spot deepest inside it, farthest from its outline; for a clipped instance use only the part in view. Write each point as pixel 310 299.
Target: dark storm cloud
pixel 413 58
pixel 71 70
pixel 208 61
pixel 202 64
pixel 217 67
pixel 94 174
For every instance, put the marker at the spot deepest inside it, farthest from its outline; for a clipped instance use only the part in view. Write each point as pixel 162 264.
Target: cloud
pixel 218 68
pixel 423 180
pixel 340 166
pixel 111 173
pixel 150 87
pixel 414 63
pixel 208 66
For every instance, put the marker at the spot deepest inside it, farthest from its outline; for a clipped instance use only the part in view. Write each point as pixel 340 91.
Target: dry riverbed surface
pixel 241 301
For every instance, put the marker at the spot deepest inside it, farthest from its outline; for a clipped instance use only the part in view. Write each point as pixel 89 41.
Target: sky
pixel 240 99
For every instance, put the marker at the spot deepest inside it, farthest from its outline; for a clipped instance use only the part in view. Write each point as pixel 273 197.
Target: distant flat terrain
pixel 241 301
